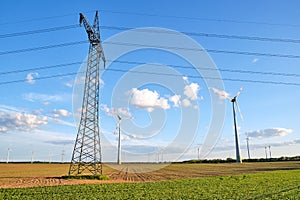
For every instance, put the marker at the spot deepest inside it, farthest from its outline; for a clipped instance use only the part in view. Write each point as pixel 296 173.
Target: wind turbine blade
pixel 239 92
pixel 116 129
pixel 238 107
pixel 225 96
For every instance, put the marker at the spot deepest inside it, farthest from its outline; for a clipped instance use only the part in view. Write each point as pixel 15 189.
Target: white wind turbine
pixel 248 149
pixel 234 103
pixel 118 131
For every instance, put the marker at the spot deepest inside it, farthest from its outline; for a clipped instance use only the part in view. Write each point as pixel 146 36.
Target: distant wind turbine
pixel 266 152
pixel 248 150
pixel 7 157
pixel 118 128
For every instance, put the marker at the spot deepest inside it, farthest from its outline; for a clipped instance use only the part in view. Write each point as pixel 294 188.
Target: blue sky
pixel 38 115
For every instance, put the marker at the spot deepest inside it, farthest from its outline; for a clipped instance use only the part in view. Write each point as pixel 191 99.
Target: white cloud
pixel 41 97
pixel 30 77
pixel 37 112
pixel 191 91
pixel 222 94
pixel 60 113
pixel 185 79
pixel 147 99
pixel 175 99
pixel 69 84
pixel 254 60
pixel 20 121
pixel 46 103
pixel 112 111
pixel 269 133
pixel 186 103
pixel 124 112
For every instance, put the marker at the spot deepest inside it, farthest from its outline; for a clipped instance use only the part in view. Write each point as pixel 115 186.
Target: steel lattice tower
pixel 86 157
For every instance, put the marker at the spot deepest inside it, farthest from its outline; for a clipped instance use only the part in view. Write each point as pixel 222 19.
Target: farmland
pixel 176 181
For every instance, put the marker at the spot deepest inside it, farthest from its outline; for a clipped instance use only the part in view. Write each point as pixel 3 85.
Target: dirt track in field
pixel 35 175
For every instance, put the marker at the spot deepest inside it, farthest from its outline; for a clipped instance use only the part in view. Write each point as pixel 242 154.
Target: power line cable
pixel 42 18
pixel 198 34
pixel 31 32
pixel 247 53
pixel 155 15
pixel 160 74
pixel 39 78
pixel 155 64
pixel 208 50
pixel 212 69
pixel 214 35
pixel 211 78
pixel 200 19
pixel 39 68
pixel 43 47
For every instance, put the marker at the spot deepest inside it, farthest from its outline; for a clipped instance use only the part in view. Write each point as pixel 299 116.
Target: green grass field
pixel 268 185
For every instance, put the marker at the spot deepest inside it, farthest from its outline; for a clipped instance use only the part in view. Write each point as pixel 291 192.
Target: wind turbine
pixel 7 157
pixel 237 143
pixel 247 139
pixel 118 128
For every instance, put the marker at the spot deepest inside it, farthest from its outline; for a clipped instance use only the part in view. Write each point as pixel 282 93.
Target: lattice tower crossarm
pixel 86 157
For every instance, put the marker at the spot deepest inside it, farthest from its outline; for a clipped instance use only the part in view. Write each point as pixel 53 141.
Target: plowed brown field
pixel 31 175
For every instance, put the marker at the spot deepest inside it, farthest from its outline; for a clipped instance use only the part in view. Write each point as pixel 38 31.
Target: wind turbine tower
pixel 118 128
pixel 86 157
pixel 248 150
pixel 7 158
pixel 237 144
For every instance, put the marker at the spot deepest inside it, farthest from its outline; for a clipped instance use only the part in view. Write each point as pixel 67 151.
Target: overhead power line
pixel 199 18
pixel 38 78
pixel 214 35
pixel 212 69
pixel 42 18
pixel 43 47
pixel 160 74
pixel 197 34
pixel 208 50
pixel 247 53
pixel 31 32
pixel 39 68
pixel 155 64
pixel 156 16
pixel 211 78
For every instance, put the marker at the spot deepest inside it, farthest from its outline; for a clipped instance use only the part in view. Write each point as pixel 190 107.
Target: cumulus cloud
pixel 221 93
pixel 20 121
pixel 113 111
pixel 175 99
pixel 186 103
pixel 124 112
pixel 147 99
pixel 60 113
pixel 185 79
pixel 41 97
pixel 30 77
pixel 191 91
pixel 269 133
pixel 69 84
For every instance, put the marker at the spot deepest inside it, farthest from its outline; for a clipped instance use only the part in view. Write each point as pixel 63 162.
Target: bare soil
pixel 36 175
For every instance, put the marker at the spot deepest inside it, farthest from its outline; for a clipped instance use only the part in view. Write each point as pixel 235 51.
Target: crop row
pixel 270 185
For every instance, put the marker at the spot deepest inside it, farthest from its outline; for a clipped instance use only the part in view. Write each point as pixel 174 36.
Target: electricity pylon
pixel 86 157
